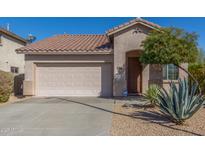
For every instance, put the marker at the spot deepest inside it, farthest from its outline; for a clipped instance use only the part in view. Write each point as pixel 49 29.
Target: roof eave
pixel 13 35
pixel 97 52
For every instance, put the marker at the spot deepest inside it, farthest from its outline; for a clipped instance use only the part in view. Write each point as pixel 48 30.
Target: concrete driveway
pixel 57 116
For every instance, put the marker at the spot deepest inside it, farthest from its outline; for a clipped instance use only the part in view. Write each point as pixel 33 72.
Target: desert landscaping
pixel 140 120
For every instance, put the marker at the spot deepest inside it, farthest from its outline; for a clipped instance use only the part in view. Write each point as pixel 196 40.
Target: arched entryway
pixel 134 72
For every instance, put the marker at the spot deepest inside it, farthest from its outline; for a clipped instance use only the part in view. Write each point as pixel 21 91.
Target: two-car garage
pixel 69 65
pixel 73 79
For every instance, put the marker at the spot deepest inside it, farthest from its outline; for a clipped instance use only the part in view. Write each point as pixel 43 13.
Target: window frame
pixel 14 69
pixel 167 77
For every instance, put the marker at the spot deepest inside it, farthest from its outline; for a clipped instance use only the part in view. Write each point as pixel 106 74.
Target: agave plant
pixel 152 94
pixel 181 102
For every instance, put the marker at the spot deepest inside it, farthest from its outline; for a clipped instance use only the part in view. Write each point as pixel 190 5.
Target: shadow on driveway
pixel 150 116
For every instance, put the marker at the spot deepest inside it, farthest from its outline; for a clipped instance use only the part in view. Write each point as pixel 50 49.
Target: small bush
pixel 6 86
pixel 152 94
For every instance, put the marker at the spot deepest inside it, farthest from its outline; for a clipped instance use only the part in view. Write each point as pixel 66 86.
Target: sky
pixel 46 27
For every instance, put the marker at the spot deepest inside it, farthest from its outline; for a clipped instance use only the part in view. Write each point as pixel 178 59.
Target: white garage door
pixel 74 79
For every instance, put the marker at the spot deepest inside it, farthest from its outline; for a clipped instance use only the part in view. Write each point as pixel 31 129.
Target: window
pixel 14 69
pixel 170 72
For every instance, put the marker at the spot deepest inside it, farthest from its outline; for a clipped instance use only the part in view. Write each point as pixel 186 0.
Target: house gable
pixel 128 40
pixel 136 21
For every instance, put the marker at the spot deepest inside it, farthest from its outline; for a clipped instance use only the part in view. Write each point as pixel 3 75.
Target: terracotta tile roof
pixel 69 44
pixel 11 34
pixel 131 22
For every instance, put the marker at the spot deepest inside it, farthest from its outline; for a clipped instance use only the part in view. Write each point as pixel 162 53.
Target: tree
pixel 198 69
pixel 170 46
pixel 200 57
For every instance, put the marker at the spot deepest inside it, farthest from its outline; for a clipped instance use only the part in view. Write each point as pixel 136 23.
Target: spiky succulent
pixel 152 94
pixel 180 102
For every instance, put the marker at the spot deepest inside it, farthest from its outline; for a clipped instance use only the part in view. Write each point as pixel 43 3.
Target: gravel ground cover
pixel 137 120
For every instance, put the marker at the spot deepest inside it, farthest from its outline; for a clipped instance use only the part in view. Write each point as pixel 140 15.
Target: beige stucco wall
pixel 125 41
pixel 32 60
pixel 128 40
pixel 8 56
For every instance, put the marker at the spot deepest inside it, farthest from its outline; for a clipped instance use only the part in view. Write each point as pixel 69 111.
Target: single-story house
pixel 94 65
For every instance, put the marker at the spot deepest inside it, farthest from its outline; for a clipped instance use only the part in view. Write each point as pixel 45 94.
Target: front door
pixel 134 75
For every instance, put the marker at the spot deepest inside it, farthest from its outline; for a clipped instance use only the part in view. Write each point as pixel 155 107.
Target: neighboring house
pixel 93 65
pixel 10 61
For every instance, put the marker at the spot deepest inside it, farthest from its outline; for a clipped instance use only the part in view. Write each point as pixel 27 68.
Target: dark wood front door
pixel 134 81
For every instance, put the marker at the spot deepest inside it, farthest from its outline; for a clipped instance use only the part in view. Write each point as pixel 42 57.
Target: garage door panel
pixel 73 80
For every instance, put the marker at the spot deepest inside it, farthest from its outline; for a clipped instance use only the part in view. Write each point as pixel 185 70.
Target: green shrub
pixel 181 102
pixel 198 71
pixel 152 94
pixel 6 86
